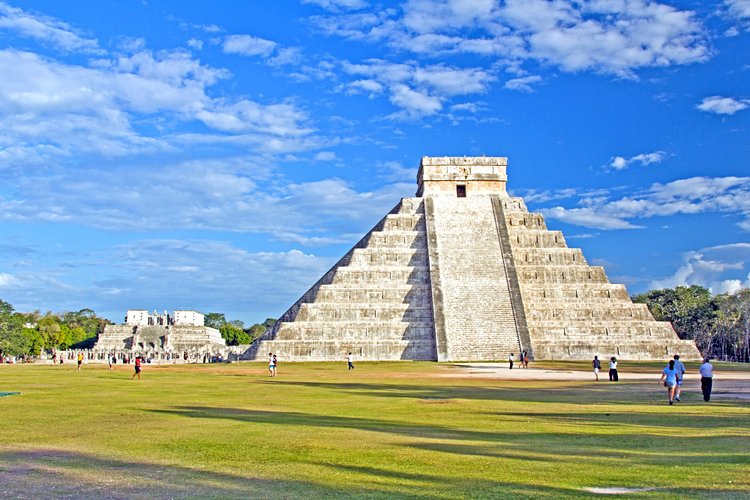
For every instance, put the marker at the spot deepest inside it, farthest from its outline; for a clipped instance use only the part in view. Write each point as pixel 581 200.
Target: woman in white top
pixel 613 369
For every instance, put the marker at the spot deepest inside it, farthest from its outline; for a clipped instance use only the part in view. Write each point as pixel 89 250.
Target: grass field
pixel 420 430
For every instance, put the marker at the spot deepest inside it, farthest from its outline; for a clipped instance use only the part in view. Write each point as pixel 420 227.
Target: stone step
pixel 536 238
pixel 409 206
pixel 397 239
pixel 406 294
pixel 364 312
pixel 514 204
pixel 525 220
pixel 601 328
pixel 586 312
pixel 392 257
pixel 400 275
pixel 403 222
pixel 337 350
pixel 535 275
pixel 326 330
pixel 663 348
pixel 567 293
pixel 542 256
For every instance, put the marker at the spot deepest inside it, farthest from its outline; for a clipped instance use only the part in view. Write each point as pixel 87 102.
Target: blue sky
pixel 220 156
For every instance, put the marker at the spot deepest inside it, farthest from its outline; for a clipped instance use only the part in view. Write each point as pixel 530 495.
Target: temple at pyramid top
pixel 463 271
pixel 451 175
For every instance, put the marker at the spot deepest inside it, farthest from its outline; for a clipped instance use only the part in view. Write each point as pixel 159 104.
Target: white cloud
pixel 8 280
pixel 604 36
pixel 338 5
pixel 45 29
pixel 325 156
pixel 241 194
pixel 716 268
pixel 723 105
pixel 620 163
pixel 523 84
pixel 418 90
pixel 195 43
pixel 413 102
pixel 51 108
pixel 370 87
pixel 588 217
pixel 738 9
pixel 248 45
pixel 730 195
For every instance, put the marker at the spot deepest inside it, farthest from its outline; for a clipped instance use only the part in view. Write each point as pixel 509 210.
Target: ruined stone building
pixel 156 334
pixel 463 271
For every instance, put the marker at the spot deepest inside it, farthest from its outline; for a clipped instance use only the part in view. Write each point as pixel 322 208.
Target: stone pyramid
pixel 463 271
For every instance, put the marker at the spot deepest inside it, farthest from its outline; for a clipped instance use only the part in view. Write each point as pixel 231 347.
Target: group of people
pixel 674 373
pixel 523 360
pixel 597 364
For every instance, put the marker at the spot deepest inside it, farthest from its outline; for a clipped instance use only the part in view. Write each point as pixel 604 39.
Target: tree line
pixel 719 324
pixel 23 334
pixel 29 334
pixel 234 331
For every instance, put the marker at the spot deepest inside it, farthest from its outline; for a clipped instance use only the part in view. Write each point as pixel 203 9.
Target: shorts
pixel 679 381
pixel 596 370
pixel 79 363
pixel 137 369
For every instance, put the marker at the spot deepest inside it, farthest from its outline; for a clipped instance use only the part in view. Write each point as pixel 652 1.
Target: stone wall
pixel 375 302
pixel 465 272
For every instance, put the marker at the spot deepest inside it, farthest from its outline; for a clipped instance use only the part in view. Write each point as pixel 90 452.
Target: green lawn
pixel 382 430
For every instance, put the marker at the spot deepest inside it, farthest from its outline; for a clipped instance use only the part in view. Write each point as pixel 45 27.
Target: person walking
pixel 669 378
pixel 350 361
pixel 680 375
pixel 275 365
pixel 80 360
pixel 707 379
pixel 613 377
pixel 510 361
pixel 137 368
pixel 597 364
pixel 271 365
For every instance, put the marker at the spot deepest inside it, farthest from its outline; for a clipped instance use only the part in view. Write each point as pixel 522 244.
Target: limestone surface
pixel 463 271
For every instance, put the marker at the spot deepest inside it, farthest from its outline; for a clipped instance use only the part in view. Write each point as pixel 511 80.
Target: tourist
pixel 707 379
pixel 680 375
pixel 270 363
pixel 110 358
pixel 597 364
pixel 669 377
pixel 80 360
pixel 137 368
pixel 525 359
pixel 275 364
pixel 510 361
pixel 613 377
pixel 350 360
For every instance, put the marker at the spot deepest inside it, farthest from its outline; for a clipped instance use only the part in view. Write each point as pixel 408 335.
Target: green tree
pixel 215 320
pixel 234 335
pixel 12 340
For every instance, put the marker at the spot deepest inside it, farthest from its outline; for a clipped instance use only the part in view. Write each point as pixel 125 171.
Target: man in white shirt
pixel 680 375
pixel 707 379
pixel 350 360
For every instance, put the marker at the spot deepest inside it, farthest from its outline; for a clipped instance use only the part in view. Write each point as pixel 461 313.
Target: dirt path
pixel 727 385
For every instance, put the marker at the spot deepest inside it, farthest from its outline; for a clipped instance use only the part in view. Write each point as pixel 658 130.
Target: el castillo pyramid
pixel 461 272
